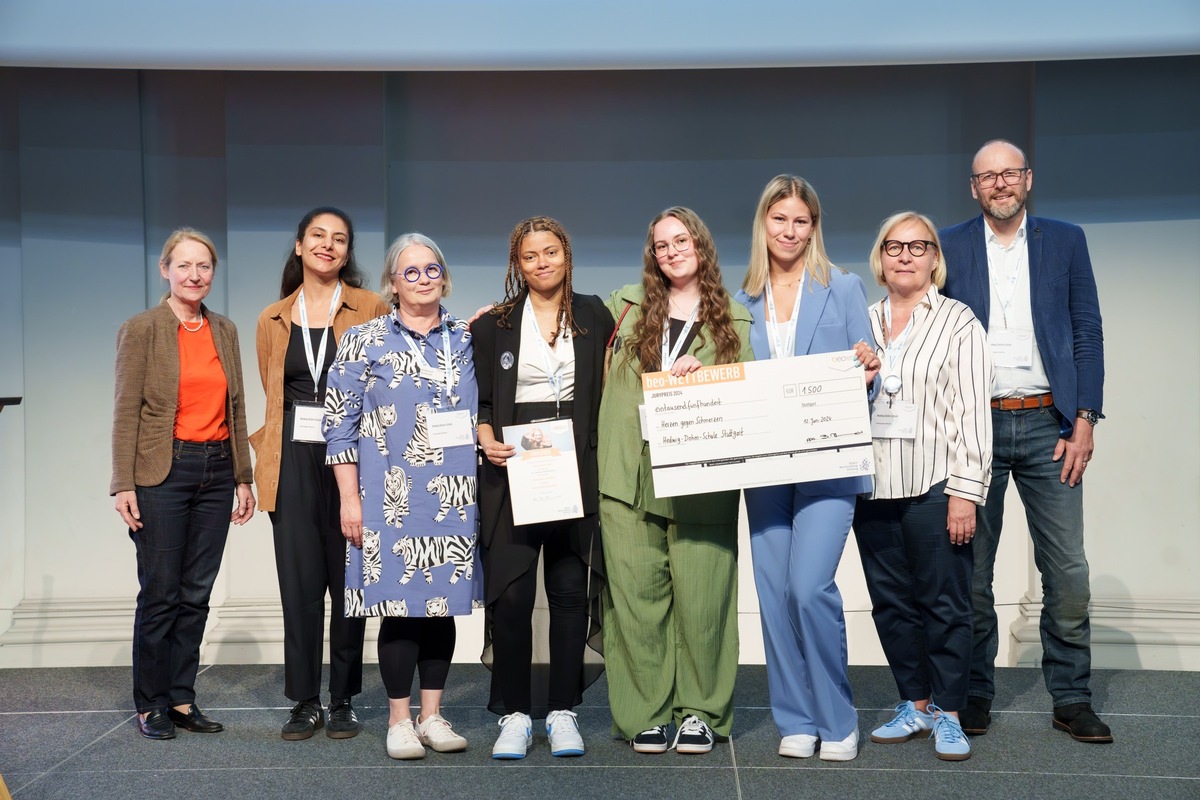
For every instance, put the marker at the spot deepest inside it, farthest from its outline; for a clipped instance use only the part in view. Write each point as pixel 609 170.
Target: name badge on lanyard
pixel 308 419
pixel 894 421
pixel 450 429
pixel 1011 347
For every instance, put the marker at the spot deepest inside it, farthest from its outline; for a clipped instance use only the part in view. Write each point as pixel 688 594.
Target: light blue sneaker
pixel 908 723
pixel 949 741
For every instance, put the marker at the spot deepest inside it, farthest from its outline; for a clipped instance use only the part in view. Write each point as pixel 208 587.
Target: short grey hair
pixel 398 246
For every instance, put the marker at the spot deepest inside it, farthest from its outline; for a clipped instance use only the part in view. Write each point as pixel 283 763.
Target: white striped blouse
pixel 946 370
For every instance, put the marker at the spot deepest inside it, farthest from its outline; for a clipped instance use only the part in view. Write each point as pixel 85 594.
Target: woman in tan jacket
pixel 180 462
pixel 297 338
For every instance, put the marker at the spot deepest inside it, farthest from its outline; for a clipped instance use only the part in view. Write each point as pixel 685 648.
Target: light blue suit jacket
pixel 832 318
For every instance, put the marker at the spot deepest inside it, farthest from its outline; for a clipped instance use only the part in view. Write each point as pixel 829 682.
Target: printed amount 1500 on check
pixel 759 423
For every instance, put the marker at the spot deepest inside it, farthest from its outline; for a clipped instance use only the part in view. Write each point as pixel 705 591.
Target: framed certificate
pixel 543 475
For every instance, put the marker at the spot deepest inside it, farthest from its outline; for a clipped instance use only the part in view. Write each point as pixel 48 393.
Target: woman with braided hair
pixel 539 355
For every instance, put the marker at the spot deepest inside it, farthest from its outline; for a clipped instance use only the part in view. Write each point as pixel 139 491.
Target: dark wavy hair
pixel 293 268
pixel 646 340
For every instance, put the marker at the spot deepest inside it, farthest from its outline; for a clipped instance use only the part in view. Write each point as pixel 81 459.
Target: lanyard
pixel 787 347
pixel 425 365
pixel 1005 302
pixel 315 362
pixel 892 382
pixel 669 354
pixel 554 377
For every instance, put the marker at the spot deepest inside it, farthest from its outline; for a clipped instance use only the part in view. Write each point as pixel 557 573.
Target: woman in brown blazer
pixel 179 461
pixel 321 297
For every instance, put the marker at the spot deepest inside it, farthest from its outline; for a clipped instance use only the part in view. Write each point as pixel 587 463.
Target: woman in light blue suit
pixel 802 304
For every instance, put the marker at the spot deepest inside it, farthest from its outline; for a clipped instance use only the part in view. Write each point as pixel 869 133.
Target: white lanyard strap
pixel 554 377
pixel 893 349
pixel 316 362
pixel 1006 298
pixel 787 347
pixel 669 354
pixel 416 350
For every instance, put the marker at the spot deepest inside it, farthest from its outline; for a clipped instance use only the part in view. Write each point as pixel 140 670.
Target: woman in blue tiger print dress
pixel 400 414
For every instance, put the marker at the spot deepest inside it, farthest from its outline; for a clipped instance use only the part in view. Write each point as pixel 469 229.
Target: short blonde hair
pixel 890 224
pixel 399 245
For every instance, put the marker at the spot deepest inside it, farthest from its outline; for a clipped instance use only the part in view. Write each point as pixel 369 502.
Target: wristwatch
pixel 1088 414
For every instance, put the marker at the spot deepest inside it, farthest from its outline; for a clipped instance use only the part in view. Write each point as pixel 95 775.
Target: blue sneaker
pixel 949 741
pixel 908 723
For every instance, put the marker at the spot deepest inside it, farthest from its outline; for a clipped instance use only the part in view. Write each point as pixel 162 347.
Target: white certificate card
pixel 762 423
pixel 543 475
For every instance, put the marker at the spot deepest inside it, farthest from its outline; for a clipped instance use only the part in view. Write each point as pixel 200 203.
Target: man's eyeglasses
pixel 894 247
pixel 987 180
pixel 413 274
pixel 682 243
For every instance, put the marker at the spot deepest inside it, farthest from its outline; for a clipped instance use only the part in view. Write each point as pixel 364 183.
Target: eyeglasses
pixel 986 180
pixel 682 243
pixel 917 247
pixel 413 274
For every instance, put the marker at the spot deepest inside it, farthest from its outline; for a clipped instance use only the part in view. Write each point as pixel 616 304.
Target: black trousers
pixel 565 576
pixel 920 587
pixel 407 644
pixel 310 558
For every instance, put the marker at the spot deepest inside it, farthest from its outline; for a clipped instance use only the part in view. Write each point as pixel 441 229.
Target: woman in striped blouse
pixel 933 454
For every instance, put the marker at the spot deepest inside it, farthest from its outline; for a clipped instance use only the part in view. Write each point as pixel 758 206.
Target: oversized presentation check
pixel 786 420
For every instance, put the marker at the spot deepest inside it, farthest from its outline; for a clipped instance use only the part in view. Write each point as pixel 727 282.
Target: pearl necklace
pixel 192 330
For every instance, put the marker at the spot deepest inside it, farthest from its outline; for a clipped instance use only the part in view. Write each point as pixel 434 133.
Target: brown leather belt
pixel 1022 403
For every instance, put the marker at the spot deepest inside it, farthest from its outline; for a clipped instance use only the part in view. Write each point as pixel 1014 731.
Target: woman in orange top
pixel 321 297
pixel 180 460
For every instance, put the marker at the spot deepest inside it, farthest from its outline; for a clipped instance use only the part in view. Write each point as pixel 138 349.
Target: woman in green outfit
pixel 670 631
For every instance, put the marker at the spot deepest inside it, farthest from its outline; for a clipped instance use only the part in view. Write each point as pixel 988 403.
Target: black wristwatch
pixel 1088 414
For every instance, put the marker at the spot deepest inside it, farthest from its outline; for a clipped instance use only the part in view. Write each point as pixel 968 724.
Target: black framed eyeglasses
pixel 917 247
pixel 413 274
pixel 987 180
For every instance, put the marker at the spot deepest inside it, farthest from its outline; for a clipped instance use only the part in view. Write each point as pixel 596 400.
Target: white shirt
pixel 532 383
pixel 1012 308
pixel 946 370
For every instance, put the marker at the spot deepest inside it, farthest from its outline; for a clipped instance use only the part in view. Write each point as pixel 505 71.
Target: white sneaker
pixel 436 733
pixel 516 734
pixel 562 728
pixel 403 742
pixel 845 750
pixel 798 745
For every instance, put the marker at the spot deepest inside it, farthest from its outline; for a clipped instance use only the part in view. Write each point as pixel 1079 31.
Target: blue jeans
pixel 185 520
pixel 1023 447
pixel 920 587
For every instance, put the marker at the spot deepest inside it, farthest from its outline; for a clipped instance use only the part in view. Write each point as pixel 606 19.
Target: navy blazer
pixel 1066 309
pixel 832 318
pixel 498 392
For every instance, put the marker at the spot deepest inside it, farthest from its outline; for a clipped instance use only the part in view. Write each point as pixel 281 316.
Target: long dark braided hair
pixel 514 281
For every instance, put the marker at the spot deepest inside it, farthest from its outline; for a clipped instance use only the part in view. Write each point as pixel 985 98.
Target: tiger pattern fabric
pixel 378 408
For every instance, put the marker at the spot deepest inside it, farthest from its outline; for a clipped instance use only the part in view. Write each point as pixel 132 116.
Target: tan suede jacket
pixel 274 329
pixel 147 396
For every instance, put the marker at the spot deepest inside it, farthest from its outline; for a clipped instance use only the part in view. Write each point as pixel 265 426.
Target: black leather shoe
pixel 976 716
pixel 156 725
pixel 306 718
pixel 1082 724
pixel 343 724
pixel 194 720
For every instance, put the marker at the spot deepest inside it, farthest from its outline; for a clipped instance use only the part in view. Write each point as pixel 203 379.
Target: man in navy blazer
pixel 1029 280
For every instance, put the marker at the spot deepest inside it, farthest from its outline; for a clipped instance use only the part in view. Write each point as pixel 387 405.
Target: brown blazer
pixel 147 397
pixel 274 330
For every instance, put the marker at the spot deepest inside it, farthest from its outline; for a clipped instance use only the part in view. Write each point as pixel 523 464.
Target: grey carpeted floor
pixel 69 733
